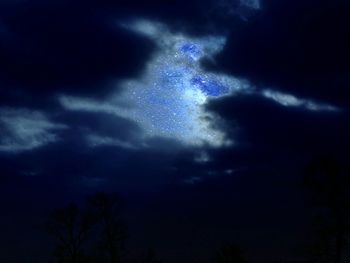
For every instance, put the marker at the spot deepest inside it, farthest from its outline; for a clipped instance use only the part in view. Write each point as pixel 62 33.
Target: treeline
pixel 95 232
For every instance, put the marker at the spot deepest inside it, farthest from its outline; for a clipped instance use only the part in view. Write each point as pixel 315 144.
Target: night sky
pixel 203 116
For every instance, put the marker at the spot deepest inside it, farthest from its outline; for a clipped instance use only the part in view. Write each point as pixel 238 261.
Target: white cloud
pixel 85 104
pixel 169 99
pixel 23 130
pixel 289 100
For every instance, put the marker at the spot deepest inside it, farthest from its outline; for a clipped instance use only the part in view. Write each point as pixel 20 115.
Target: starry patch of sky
pixel 169 99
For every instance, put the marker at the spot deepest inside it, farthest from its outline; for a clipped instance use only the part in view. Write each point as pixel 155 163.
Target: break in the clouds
pixel 23 130
pixel 169 99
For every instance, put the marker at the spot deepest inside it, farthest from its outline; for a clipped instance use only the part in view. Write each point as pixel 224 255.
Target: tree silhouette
pixel 70 227
pixel 111 230
pixel 94 233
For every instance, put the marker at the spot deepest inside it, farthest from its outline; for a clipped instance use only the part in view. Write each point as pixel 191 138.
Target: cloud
pixel 94 140
pixel 289 100
pixel 202 157
pixel 46 49
pixel 88 105
pixel 253 4
pixel 24 130
pixel 168 100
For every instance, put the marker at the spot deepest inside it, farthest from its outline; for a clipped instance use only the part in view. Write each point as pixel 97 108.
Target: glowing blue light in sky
pixel 169 99
pixel 191 50
pixel 210 87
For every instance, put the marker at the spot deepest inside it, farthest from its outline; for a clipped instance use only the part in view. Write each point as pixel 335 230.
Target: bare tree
pixel 112 233
pixel 70 227
pixel 92 234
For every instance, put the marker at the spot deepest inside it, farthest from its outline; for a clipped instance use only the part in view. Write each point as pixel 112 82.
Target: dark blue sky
pixel 183 199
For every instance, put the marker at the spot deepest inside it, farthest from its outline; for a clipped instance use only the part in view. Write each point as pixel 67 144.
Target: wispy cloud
pixel 253 4
pixel 23 130
pixel 289 100
pixel 84 104
pixel 95 140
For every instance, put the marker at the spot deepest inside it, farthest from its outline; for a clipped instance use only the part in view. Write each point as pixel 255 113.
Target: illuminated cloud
pixel 169 99
pixel 86 105
pixel 23 130
pixel 289 100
